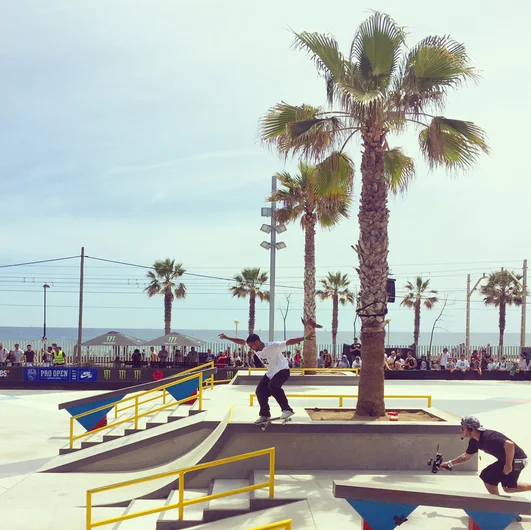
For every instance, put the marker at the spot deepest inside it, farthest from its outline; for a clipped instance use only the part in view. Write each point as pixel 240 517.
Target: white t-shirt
pixel 443 359
pixel 3 355
pixel 522 364
pixel 462 365
pixel 272 357
pixel 17 354
pixel 502 365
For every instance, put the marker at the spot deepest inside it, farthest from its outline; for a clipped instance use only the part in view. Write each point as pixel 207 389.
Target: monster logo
pixel 121 374
pixel 106 374
pixel 138 374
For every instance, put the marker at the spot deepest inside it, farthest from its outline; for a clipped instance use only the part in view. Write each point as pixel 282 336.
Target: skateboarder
pixel 511 459
pixel 270 353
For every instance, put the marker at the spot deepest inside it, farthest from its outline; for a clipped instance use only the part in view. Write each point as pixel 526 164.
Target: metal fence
pixel 106 355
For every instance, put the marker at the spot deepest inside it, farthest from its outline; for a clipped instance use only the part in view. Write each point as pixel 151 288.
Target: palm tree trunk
pixel 335 305
pixel 167 313
pixel 503 311
pixel 310 346
pixel 416 331
pixel 252 312
pixel 372 249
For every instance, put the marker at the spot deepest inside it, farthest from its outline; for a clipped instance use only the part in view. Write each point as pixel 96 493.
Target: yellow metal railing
pixel 280 525
pixel 182 503
pixel 136 415
pixel 180 374
pixel 341 397
pixel 304 371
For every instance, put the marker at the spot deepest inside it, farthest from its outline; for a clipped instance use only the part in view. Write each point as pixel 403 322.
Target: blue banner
pixel 55 374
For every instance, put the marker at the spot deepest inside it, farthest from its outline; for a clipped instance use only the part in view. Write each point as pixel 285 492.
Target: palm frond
pixel 399 170
pixel 432 66
pixel 180 291
pixel 298 130
pixel 335 174
pixel 376 48
pixel 453 143
pixel 328 60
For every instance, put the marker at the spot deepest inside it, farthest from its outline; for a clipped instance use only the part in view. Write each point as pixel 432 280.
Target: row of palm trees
pixel 247 284
pixel 503 288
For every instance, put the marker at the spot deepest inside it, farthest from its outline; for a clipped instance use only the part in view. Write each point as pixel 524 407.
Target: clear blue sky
pixel 130 127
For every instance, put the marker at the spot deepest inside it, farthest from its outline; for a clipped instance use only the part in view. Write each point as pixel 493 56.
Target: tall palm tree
pixel 501 290
pixel 163 277
pixel 379 87
pixel 314 196
pixel 248 284
pixel 418 295
pixel 335 287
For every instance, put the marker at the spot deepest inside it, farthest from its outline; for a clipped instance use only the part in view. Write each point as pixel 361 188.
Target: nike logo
pixel 86 375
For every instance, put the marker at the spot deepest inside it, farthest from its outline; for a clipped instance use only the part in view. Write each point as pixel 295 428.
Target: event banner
pixel 62 375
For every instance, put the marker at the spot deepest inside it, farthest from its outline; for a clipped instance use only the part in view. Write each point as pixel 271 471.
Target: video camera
pixel 436 462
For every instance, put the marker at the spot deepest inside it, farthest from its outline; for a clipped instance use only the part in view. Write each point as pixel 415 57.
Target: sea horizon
pixel 397 338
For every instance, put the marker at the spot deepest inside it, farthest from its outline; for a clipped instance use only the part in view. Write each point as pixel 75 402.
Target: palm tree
pixel 416 297
pixel 335 287
pixel 378 89
pixel 248 284
pixel 315 196
pixel 163 277
pixel 502 289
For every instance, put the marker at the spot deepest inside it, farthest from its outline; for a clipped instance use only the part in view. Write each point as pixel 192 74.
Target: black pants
pixel 272 387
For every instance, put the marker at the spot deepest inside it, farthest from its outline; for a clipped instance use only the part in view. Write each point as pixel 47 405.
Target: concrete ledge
pixel 148 448
pixel 397 494
pixel 362 446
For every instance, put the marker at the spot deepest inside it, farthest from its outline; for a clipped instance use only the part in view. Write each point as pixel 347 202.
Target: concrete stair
pixel 150 421
pixel 201 513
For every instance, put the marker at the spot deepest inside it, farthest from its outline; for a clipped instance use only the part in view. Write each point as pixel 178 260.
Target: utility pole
pixel 523 285
pixel 272 263
pixel 469 293
pixel 524 311
pixel 80 321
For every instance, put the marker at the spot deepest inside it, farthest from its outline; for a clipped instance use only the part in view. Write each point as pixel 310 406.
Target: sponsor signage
pixel 62 375
pixel 4 373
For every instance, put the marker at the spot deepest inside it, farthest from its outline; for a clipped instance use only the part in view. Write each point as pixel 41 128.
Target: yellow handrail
pixel 180 374
pixel 280 525
pixel 341 397
pixel 304 370
pixel 136 405
pixel 182 503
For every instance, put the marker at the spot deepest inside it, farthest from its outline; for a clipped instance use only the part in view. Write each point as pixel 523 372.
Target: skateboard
pixel 265 424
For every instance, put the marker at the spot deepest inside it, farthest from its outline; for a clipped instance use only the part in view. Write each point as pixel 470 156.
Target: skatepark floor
pixel 33 430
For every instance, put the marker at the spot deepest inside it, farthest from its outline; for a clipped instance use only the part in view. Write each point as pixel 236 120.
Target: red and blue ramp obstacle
pixel 107 401
pixel 385 507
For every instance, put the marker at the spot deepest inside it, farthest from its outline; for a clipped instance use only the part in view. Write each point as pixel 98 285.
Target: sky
pixel 131 128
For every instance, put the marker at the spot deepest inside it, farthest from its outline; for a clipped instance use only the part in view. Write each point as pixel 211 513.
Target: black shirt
pixel 492 442
pixel 30 356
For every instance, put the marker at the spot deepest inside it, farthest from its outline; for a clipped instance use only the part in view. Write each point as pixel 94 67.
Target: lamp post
pixel 45 286
pixel 272 246
pixel 236 322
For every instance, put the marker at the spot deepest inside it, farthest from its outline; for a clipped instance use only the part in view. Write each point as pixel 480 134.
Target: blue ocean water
pixel 211 336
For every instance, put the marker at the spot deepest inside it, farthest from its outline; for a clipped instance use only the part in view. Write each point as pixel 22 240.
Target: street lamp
pixel 272 246
pixel 45 286
pixel 236 322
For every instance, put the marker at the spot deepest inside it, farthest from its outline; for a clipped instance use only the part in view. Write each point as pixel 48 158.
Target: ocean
pixel 397 338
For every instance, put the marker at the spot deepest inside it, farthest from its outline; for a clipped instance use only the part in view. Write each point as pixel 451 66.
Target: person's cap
pixel 471 422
